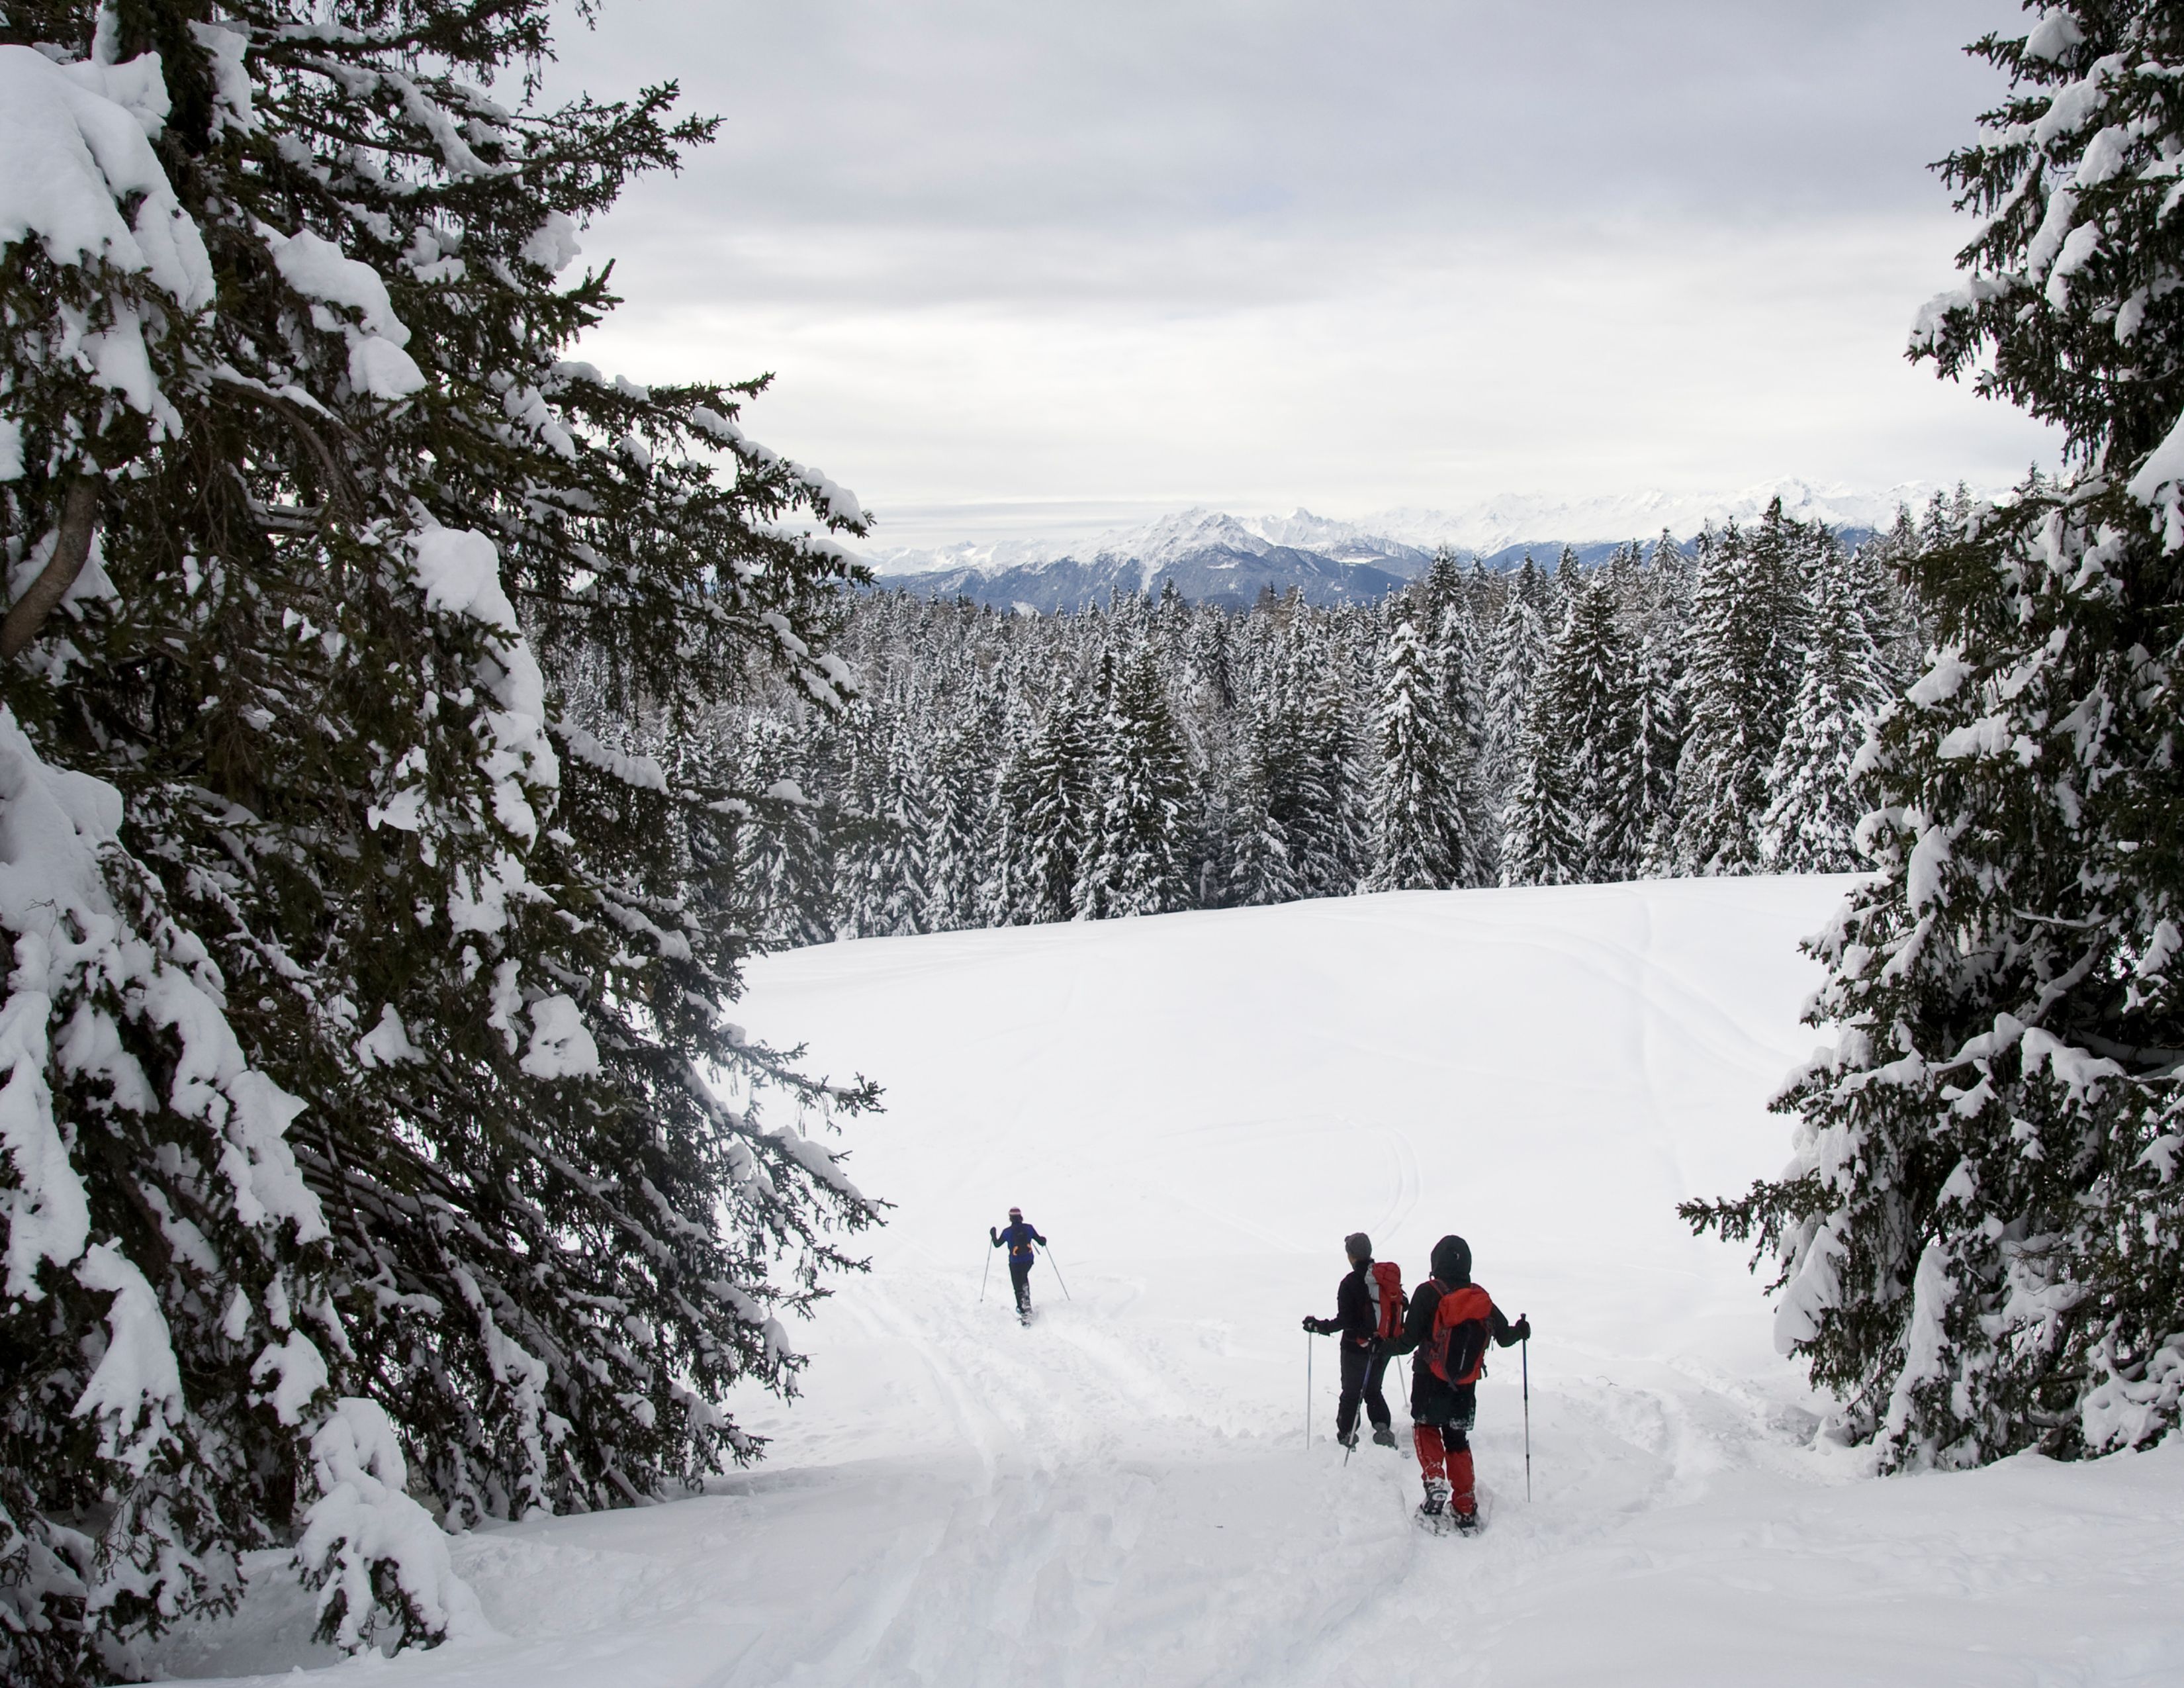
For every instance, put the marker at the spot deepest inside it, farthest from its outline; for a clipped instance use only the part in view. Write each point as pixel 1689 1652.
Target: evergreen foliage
pixel 1818 798
pixel 369 992
pixel 1742 663
pixel 1138 860
pixel 1274 725
pixel 1418 838
pixel 1980 1244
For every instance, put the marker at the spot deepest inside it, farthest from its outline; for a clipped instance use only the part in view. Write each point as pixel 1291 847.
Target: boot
pixel 1433 1511
pixel 1349 1442
pixel 1384 1435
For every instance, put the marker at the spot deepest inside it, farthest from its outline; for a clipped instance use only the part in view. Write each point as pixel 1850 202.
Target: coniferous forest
pixel 1677 711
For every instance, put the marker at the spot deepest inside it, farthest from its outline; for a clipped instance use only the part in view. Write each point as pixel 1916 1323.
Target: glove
pixel 1311 1325
pixel 1522 1330
pixel 992 1236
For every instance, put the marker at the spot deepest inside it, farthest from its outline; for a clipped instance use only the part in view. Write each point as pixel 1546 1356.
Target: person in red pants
pixel 1451 1320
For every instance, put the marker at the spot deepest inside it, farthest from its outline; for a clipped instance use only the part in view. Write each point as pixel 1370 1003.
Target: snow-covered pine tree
pixel 1980 1243
pixel 1589 708
pixel 1519 648
pixel 1338 848
pixel 961 799
pixel 1003 893
pixel 862 742
pixel 899 892
pixel 1743 658
pixel 1542 827
pixel 1140 858
pixel 1058 805
pixel 1418 841
pixel 1816 801
pixel 1568 580
pixel 1209 675
pixel 361 1024
pixel 1279 803
pixel 1459 672
pixel 1663 613
pixel 787 866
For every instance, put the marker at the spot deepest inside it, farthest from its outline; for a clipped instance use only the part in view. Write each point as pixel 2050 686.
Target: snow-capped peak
pixel 1407 537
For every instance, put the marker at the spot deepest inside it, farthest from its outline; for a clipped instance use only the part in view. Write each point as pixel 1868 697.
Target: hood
pixel 1451 1262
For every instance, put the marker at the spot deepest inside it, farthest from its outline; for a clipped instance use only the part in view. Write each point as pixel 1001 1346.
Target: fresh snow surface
pixel 1195 1109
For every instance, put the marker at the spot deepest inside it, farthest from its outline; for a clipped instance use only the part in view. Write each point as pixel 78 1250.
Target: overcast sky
pixel 1026 269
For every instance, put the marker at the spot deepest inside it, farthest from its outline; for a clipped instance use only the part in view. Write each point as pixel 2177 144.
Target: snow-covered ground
pixel 1195 1110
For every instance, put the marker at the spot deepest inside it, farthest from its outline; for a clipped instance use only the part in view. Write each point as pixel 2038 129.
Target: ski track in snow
pixel 1196 1109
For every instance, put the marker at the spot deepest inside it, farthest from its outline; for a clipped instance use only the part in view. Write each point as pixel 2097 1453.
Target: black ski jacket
pixel 1354 1314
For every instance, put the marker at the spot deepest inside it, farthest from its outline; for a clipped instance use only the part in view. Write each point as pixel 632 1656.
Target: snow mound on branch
pixel 320 270
pixel 552 246
pixel 364 1520
pixel 460 573
pixel 78 175
pixel 387 1043
pixel 137 1376
pixel 74 149
pixel 561 1045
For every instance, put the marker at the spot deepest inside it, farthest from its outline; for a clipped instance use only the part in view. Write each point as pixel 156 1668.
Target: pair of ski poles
pixel 1051 1261
pixel 1524 1360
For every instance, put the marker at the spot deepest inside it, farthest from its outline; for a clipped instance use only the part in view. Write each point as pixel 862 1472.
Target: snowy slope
pixel 1195 1109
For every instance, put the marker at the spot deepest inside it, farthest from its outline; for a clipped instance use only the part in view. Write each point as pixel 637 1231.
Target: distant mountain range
pixel 1214 557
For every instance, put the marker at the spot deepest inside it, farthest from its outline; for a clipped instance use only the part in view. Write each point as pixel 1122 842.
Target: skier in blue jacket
pixel 1018 1238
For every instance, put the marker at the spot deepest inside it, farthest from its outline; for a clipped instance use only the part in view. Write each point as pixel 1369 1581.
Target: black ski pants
pixel 1020 1275
pixel 1449 1408
pixel 1362 1371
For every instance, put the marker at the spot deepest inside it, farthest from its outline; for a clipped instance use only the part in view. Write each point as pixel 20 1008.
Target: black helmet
pixel 1358 1245
pixel 1451 1262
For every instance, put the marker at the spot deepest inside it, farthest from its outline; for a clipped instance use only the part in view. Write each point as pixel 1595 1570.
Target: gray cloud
pixel 1048 256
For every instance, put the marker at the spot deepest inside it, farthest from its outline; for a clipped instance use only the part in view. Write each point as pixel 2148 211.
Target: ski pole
pixel 1058 1277
pixel 1307 1388
pixel 984 1276
pixel 1524 1357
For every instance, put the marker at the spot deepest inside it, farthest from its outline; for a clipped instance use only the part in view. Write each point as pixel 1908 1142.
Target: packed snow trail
pixel 1195 1110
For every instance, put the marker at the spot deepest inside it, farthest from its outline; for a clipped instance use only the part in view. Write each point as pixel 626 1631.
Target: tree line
pixel 1678 710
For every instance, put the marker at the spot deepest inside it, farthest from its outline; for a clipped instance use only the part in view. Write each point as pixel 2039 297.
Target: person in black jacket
pixel 1451 1353
pixel 1357 1320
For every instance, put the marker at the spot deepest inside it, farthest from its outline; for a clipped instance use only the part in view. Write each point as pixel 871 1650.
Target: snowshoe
pixel 1433 1513
pixel 1383 1436
pixel 1464 1524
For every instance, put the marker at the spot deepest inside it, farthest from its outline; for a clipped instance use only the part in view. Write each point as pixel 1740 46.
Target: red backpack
pixel 1385 1284
pixel 1456 1350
